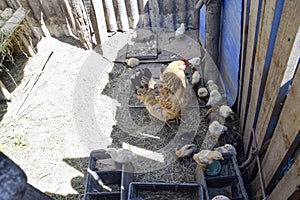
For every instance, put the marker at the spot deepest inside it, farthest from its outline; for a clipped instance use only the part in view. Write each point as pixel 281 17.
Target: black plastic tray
pixel 148 190
pixel 116 176
pixel 229 182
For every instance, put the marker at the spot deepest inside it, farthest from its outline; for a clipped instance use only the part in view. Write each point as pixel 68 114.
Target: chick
pixel 214 98
pixel 186 150
pixel 195 61
pixel 226 111
pixel 212 86
pixel 227 148
pixel 120 155
pixel 180 31
pixel 202 94
pixel 132 62
pixel 195 77
pixel 216 129
pixel 206 157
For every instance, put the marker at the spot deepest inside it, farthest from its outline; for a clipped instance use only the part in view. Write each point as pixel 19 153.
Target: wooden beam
pixel 290 179
pixel 133 16
pixel 143 11
pixel 121 15
pixel 263 42
pixel 287 33
pixel 246 9
pixel 100 19
pixel 251 44
pixel 110 15
pixel 286 136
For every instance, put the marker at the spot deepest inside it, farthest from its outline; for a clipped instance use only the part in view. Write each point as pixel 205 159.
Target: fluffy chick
pixel 214 98
pixel 195 77
pixel 195 61
pixel 132 62
pixel 212 86
pixel 202 93
pixel 120 155
pixel 216 129
pixel 227 148
pixel 180 31
pixel 186 150
pixel 226 111
pixel 206 157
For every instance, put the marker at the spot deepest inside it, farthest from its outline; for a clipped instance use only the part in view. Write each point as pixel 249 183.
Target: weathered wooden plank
pixel 250 52
pixel 133 13
pixel 121 15
pixel 143 11
pixel 290 179
pixel 100 19
pixel 285 40
pixel 12 23
pixel 154 15
pixel 263 42
pixel 110 17
pixel 245 21
pixel 286 135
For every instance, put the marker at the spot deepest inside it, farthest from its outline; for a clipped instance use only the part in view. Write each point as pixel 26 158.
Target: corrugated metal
pixel 230 46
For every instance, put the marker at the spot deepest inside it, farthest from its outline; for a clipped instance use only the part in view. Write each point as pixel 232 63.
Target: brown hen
pixel 170 95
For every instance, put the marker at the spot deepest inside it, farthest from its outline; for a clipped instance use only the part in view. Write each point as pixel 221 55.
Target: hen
pixel 169 96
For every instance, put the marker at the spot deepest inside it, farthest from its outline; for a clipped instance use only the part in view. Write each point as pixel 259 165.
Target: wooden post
pixel 121 14
pixel 144 16
pixel 133 13
pixel 110 16
pixel 213 14
pixel 245 25
pixel 250 52
pixel 100 19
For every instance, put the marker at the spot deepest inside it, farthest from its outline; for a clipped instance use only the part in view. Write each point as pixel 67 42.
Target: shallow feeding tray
pixel 228 182
pixel 174 191
pixel 114 175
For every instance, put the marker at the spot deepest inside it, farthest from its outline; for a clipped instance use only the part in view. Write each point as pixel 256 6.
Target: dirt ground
pixel 77 105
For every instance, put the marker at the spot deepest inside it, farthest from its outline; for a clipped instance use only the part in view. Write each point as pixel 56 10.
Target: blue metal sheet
pixel 230 47
pixel 202 25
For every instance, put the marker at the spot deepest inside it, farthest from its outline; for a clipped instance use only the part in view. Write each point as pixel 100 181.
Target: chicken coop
pixel 249 48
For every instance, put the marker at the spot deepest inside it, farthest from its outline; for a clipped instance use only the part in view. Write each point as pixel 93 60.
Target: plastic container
pixel 228 182
pixel 114 175
pixel 142 190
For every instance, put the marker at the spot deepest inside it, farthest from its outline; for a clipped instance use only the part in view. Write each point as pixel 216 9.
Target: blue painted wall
pixel 230 44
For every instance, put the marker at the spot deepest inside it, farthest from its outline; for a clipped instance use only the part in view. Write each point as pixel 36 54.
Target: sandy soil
pixel 42 137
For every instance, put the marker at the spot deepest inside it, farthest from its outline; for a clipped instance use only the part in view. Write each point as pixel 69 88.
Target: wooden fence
pixel 92 20
pixel 269 94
